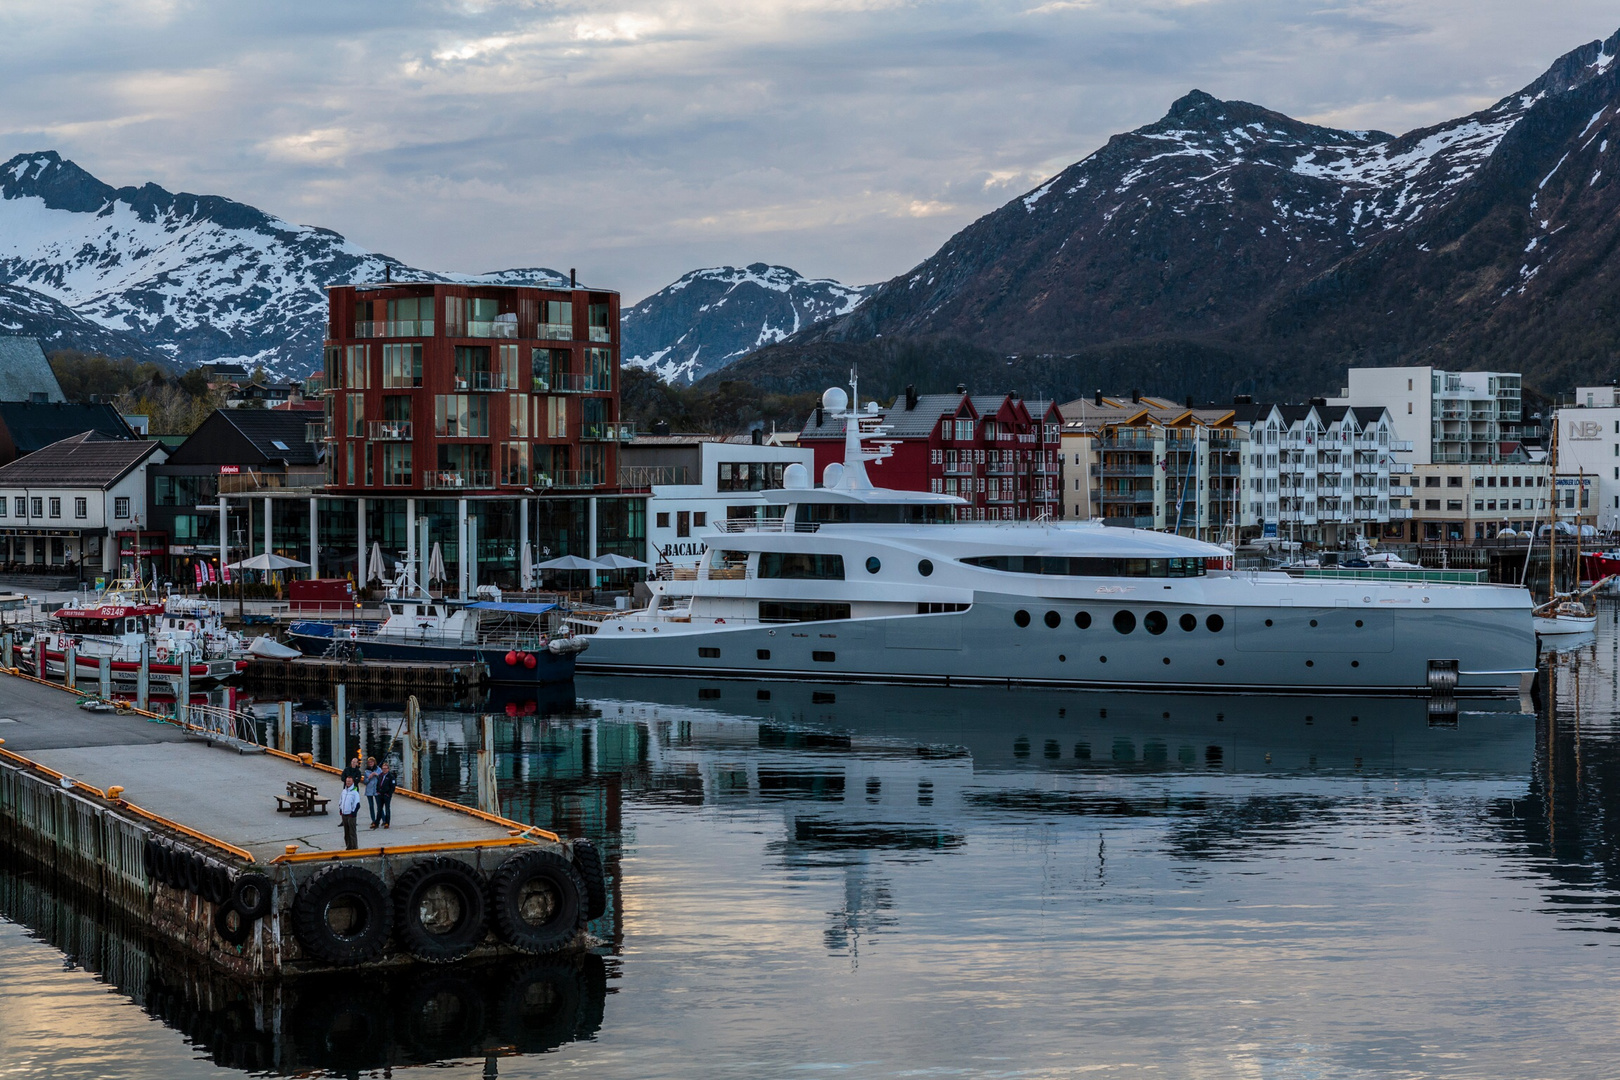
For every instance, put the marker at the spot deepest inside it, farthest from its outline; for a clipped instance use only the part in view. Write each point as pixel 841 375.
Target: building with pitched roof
pixel 27 426
pixel 25 373
pixel 66 506
pixel 999 452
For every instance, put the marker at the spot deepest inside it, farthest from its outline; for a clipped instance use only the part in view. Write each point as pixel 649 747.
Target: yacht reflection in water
pixel 344 1023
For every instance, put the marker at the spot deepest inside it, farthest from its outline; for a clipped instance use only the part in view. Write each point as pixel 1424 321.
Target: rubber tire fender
pixel 194 872
pixel 456 942
pixel 152 860
pixel 234 935
pixel 171 874
pixel 251 895
pixel 316 896
pixel 507 886
pixel 216 884
pixel 588 861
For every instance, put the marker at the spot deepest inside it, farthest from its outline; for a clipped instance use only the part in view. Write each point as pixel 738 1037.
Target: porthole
pixel 1054 620
pixel 1155 622
pixel 1215 623
pixel 1102 659
pixel 1358 624
pixel 1268 622
pixel 925 568
pixel 873 564
pixel 1082 620
pixel 1062 659
pixel 1220 663
pixel 1189 622
pixel 1313 622
pixel 1310 663
pixel 1124 621
pixel 1021 617
pixel 1167 660
pixel 1355 663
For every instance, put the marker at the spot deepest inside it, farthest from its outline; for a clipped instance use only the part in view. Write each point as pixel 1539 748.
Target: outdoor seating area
pixel 301 800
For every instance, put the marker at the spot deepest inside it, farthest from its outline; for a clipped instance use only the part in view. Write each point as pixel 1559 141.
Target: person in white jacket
pixel 349 811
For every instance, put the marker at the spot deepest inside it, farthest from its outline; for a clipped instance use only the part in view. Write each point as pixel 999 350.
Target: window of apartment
pixel 556 319
pixel 396 464
pixel 515 464
pixel 1479 504
pixel 510 368
pixel 663 519
pixel 120 507
pixel 1408 408
pixel 410 317
pixel 517 416
pixel 1431 504
pixel 357 367
pixel 597 317
pixel 81 508
pixel 22 507
pixel 3 505
pixel 354 415
pixel 473 368
pixel 333 365
pixel 56 507
pixel 402 364
pixel 36 506
pixel 455 316
pixel 1454 504
pixel 461 416
pixel 964 429
pixel 936 457
pixel 348 458
pixel 1454 481
pixel 556 419
pixel 1431 481
pixel 598 369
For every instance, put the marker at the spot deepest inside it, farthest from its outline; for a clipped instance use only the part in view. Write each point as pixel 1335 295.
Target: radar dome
pixel 832 474
pixel 796 477
pixel 835 400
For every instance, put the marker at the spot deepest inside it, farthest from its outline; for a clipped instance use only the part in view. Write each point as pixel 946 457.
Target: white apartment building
pixel 1318 472
pixel 66 503
pixel 1448 417
pixel 698 481
pixel 1589 446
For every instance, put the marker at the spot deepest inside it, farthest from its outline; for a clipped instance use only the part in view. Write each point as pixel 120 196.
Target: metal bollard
pixel 340 728
pixel 106 678
pixel 143 679
pixel 70 667
pixel 284 721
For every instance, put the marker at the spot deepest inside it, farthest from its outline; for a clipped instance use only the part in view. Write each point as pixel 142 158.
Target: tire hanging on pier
pixel 539 901
pixel 439 909
pixel 216 884
pixel 342 915
pixel 251 895
pixel 194 870
pixel 588 861
pixel 231 925
pixel 152 860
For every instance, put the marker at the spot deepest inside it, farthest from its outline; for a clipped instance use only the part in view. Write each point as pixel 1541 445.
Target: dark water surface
pixel 878 882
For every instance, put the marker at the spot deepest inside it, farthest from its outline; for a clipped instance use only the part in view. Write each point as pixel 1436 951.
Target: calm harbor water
pixel 881 882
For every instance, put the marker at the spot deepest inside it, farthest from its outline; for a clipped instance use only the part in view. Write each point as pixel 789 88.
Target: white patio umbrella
pixel 436 563
pixel 569 562
pixel 375 571
pixel 526 568
pixel 618 562
pixel 269 561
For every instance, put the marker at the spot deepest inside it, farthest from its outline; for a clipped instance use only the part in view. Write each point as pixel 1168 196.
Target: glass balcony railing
pixel 575 478
pixel 390 431
pixel 563 382
pixel 457 479
pixel 494 328
pixel 481 380
pixel 394 328
pixel 555 331
pixel 318 433
pixel 601 333
pixel 606 432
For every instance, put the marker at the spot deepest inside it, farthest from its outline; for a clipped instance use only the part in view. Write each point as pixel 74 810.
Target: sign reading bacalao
pixel 1584 430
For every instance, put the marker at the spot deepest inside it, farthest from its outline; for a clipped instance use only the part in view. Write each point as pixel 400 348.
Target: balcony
pixel 645 477
pixel 389 431
pixel 1128 470
pixel 246 483
pixel 318 433
pixel 555 331
pixel 1399 492
pixel 606 432
pixel 564 382
pixel 1001 468
pixel 958 469
pixel 1117 497
pixel 601 333
pixel 494 328
pixel 1400 513
pixel 457 480
pixel 394 328
pixel 481 381
pixel 571 479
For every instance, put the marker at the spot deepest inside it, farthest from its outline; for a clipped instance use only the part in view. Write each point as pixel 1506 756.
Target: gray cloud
pixel 637 139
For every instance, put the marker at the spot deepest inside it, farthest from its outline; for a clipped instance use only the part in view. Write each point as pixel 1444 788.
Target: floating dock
pixel 180 827
pixel 371 676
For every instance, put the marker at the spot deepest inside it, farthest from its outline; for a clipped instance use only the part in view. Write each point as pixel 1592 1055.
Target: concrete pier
pixel 90 793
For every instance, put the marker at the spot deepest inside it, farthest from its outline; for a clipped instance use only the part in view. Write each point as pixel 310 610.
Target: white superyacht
pixel 860 583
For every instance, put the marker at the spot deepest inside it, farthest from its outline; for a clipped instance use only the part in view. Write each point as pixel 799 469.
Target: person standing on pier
pixel 353 771
pixel 349 812
pixel 385 793
pixel 370 779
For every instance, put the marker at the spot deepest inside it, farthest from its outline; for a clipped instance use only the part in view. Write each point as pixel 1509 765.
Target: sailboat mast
pixel 1552 514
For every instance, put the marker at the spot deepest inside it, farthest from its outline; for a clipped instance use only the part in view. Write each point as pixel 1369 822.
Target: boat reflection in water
pixel 341 1022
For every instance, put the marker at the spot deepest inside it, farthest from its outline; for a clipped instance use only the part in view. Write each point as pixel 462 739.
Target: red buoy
pixel 530 662
pixel 511 658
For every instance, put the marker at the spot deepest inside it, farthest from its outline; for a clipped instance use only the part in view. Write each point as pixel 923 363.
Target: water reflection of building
pixel 334 1023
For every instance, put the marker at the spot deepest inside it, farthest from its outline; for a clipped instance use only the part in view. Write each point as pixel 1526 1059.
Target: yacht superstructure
pixel 856 582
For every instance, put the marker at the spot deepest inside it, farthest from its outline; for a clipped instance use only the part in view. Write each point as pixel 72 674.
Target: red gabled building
pixel 461 388
pixel 998 453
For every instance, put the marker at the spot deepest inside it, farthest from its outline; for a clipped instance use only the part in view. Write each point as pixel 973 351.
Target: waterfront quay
pixel 181 828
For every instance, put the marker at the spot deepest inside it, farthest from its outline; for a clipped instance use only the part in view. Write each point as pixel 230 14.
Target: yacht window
pixel 788 564
pixel 800 611
pixel 873 514
pixel 1074 566
pixel 873 565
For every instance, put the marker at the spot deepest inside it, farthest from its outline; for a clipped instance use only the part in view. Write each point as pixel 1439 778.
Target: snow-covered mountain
pixel 708 318
pixel 1227 245
pixel 192 278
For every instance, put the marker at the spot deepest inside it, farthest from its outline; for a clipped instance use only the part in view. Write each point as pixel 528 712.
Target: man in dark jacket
pixel 385 794
pixel 353 772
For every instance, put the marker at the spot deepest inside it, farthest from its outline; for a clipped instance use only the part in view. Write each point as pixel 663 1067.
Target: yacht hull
pixel 549 667
pixel 1326 639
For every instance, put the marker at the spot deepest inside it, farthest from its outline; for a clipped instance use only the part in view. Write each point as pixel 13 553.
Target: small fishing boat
pixel 1564 617
pixel 117 630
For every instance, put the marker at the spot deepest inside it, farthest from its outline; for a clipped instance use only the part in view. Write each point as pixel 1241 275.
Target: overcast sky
pixel 637 139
